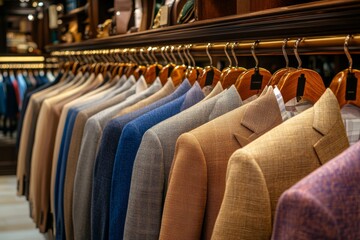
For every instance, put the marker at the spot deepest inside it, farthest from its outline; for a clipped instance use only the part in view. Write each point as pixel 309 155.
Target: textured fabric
pixel 126 152
pixel 351 118
pixel 22 88
pixel 215 91
pixel 260 172
pixel 154 158
pixel 82 184
pixel 197 175
pixel 43 149
pixel 325 204
pixel 28 134
pixel 92 136
pixel 77 133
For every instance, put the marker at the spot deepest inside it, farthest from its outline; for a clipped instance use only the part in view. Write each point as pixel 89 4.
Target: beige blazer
pixel 43 151
pixel 197 177
pixel 260 172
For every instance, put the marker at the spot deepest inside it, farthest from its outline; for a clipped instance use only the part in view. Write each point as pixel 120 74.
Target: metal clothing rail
pixel 25 66
pixel 318 45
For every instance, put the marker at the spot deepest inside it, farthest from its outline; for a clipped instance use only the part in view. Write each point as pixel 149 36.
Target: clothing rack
pixel 27 62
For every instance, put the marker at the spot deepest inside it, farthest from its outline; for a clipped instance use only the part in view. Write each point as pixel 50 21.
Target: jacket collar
pixel 259 116
pixel 328 122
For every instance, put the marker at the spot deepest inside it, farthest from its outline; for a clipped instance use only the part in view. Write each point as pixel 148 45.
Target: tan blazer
pixel 197 177
pixel 259 173
pixel 43 151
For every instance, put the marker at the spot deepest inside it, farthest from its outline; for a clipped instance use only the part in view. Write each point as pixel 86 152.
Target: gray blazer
pixel 153 162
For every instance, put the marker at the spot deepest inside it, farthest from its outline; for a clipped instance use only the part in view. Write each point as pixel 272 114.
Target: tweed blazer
pixel 197 176
pixel 28 135
pixel 259 173
pixel 126 152
pixel 93 132
pixel 59 186
pixel 79 124
pixel 43 149
pixel 325 204
pixel 154 158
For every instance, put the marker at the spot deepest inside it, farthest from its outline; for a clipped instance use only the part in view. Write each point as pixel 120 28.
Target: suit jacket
pixel 59 200
pixel 154 158
pixel 27 137
pixel 325 204
pixel 43 149
pixel 259 173
pixel 93 133
pixel 197 176
pixel 126 152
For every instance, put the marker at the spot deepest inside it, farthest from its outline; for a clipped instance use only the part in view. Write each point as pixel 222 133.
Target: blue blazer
pixel 105 160
pixel 126 152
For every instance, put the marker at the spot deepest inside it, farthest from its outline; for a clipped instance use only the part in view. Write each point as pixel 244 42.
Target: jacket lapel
pixel 259 116
pixel 328 122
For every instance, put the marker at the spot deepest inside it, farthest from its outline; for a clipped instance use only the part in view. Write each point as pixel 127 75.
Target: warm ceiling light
pixel 35 4
pixel 30 17
pixel 117 13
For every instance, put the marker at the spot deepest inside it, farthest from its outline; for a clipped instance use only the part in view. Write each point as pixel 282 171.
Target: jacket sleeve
pixel 245 212
pixel 186 195
pixel 144 211
pixel 300 215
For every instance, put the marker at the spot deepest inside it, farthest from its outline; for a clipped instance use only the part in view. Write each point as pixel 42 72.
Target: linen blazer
pixel 93 132
pixel 154 158
pixel 79 124
pixel 28 135
pixel 125 155
pixel 325 204
pixel 71 169
pixel 59 200
pixel 43 150
pixel 259 173
pixel 81 119
pixel 197 175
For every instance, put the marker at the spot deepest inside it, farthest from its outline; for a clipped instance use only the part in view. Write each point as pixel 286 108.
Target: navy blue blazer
pixel 105 159
pixel 126 152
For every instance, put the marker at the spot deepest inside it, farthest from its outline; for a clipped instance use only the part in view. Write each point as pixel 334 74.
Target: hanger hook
pixel 186 55
pixel 189 53
pixel 254 55
pixel 346 49
pixel 227 54
pixel 233 53
pixel 153 54
pixel 179 53
pixel 167 54
pixel 285 53
pixel 173 55
pixel 142 56
pixel 297 53
pixel 208 54
pixel 163 56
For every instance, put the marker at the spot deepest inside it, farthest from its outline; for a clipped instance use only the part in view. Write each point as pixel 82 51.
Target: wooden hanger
pixel 210 74
pixel 305 83
pixel 193 72
pixel 178 74
pixel 346 84
pixel 153 70
pixel 166 71
pixel 141 69
pixel 279 74
pixel 230 74
pixel 252 81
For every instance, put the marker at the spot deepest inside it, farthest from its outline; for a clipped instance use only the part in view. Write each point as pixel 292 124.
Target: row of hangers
pixel 298 82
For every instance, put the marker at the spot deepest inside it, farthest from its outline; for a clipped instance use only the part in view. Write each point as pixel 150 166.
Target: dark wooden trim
pixel 322 18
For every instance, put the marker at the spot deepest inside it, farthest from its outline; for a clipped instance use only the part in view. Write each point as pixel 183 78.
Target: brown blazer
pixel 197 177
pixel 259 173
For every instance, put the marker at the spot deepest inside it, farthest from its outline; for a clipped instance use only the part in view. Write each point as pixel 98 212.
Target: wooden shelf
pixel 323 18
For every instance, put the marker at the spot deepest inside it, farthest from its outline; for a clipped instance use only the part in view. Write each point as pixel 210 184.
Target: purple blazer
pixel 325 204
